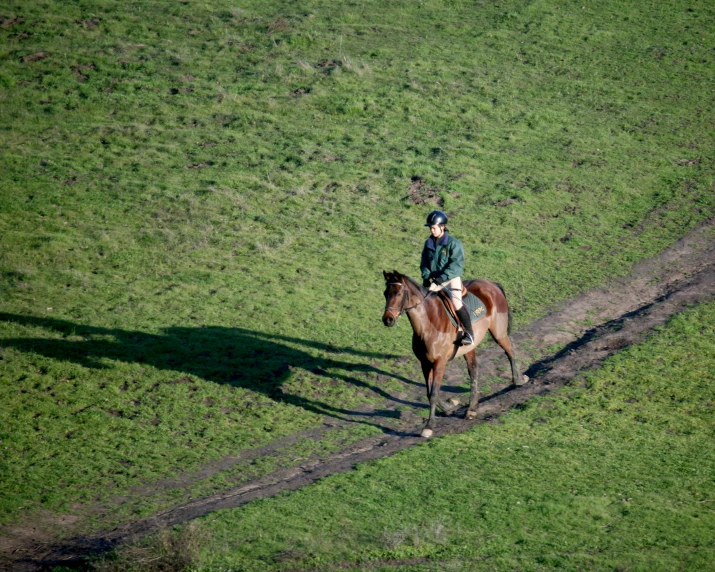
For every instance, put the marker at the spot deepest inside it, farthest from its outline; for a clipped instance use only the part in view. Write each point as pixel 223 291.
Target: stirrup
pixel 467 339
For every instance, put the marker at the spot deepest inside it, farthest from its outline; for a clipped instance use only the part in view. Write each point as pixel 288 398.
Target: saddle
pixel 449 306
pixel 476 308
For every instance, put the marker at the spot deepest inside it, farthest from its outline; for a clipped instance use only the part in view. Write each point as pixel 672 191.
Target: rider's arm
pixel 455 266
pixel 425 264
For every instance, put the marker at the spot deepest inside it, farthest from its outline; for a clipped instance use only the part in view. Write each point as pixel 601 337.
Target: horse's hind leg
pixel 444 406
pixel 473 369
pixel 499 331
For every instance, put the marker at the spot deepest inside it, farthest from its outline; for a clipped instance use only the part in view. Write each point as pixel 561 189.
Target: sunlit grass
pixel 613 475
pixel 209 192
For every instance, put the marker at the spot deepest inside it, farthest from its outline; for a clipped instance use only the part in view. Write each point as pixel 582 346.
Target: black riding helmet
pixel 436 217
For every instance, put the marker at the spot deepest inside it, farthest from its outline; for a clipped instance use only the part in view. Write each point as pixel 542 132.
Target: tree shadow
pixel 233 356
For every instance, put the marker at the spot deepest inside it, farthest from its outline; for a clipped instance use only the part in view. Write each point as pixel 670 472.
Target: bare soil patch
pixel 35 57
pixel 10 22
pixel 586 330
pixel 421 194
pixel 90 23
pixel 80 71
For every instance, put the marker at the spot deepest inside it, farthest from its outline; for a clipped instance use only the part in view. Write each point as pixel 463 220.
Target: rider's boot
pixel 463 314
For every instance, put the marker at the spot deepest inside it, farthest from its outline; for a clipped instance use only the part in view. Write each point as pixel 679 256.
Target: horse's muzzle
pixel 388 319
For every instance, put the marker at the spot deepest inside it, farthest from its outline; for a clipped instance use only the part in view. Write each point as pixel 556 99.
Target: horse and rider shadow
pixel 238 357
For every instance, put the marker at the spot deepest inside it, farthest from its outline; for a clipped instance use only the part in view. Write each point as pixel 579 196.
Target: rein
pixel 401 309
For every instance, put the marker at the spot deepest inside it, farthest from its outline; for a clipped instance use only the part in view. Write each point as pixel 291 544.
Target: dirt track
pixel 624 312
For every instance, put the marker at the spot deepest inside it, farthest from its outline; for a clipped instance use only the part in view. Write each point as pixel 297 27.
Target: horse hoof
pixel 470 415
pixel 524 381
pixel 426 433
pixel 454 402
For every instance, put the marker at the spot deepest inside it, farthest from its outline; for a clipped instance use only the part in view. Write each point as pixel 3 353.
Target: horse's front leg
pixel 473 369
pixel 427 370
pixel 435 378
pixel 427 373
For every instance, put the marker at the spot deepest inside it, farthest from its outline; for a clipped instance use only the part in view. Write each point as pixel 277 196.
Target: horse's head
pixel 395 297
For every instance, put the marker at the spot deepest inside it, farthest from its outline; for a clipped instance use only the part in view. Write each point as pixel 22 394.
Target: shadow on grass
pixel 233 356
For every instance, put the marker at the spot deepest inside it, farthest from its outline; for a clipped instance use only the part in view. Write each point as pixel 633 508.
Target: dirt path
pixel 588 329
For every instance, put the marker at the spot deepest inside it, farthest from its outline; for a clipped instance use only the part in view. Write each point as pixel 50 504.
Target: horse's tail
pixel 508 327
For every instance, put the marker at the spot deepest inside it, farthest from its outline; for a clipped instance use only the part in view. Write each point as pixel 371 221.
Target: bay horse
pixel 434 337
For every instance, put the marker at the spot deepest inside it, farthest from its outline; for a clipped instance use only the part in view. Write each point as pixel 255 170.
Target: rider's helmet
pixel 436 217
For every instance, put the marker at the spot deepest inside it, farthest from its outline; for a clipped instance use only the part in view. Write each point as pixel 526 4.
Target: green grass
pixel 616 474
pixel 197 200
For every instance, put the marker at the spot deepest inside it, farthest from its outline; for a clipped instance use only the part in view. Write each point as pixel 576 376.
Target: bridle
pixel 391 309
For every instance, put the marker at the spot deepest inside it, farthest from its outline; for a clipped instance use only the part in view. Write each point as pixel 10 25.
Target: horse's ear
pixel 396 273
pixel 384 274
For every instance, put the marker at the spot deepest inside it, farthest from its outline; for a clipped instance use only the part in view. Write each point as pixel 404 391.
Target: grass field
pixel 197 200
pixel 614 474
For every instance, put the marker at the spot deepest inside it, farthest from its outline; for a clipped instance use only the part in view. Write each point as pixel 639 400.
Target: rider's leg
pixel 454 288
pixel 463 314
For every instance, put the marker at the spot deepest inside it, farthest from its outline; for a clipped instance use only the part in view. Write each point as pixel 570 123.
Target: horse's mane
pixel 414 282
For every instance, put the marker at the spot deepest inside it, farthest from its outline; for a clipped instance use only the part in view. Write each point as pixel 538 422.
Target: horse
pixel 435 339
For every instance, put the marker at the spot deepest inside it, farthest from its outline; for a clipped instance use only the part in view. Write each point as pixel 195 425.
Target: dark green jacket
pixel 444 260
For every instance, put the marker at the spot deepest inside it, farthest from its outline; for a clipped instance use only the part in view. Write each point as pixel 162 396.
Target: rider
pixel 442 266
